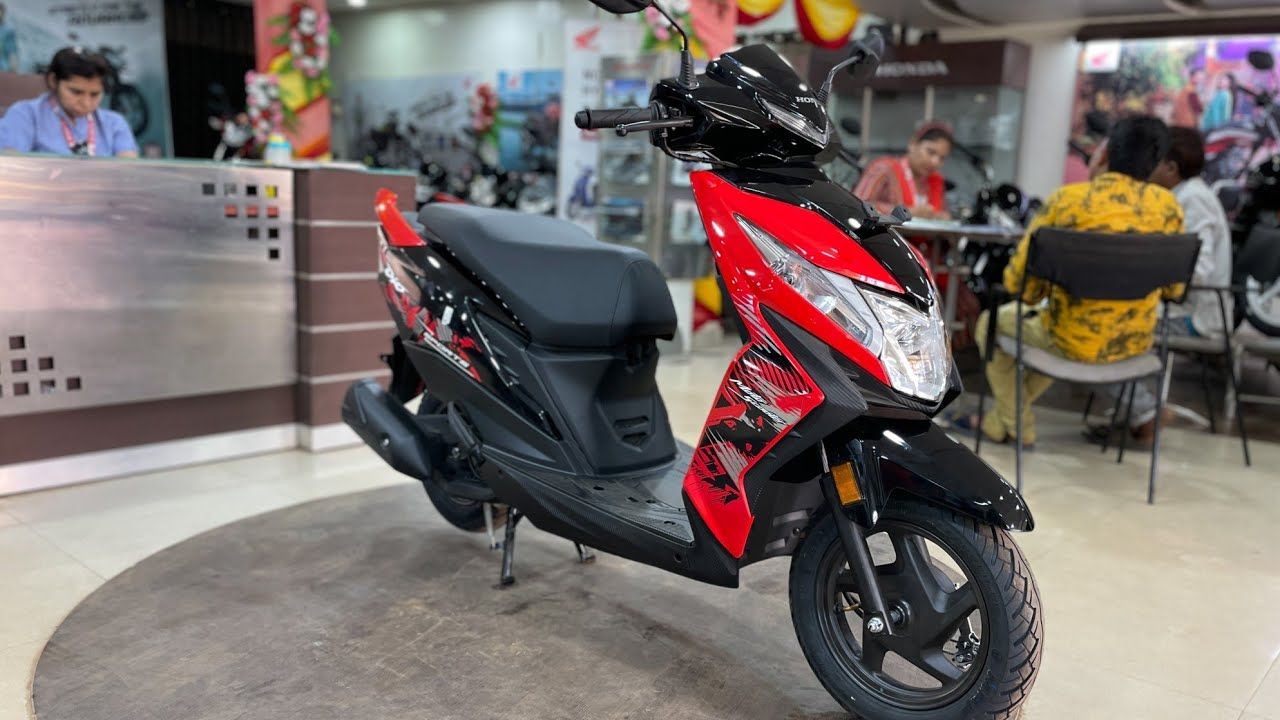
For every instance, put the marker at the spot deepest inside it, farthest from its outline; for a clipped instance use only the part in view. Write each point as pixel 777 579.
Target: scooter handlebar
pixel 609 118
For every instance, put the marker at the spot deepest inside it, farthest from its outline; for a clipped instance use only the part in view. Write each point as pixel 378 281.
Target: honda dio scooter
pixel 534 348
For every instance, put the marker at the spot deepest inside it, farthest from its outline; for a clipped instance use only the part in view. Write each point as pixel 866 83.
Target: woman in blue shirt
pixel 67 120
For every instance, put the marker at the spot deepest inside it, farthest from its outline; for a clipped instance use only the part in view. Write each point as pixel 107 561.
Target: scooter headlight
pixel 915 355
pixel 910 344
pixel 834 295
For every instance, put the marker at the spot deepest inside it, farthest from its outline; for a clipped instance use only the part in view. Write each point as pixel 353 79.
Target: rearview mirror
pixel 622 7
pixel 862 62
pixel 1262 60
pixel 851 125
pixel 869 50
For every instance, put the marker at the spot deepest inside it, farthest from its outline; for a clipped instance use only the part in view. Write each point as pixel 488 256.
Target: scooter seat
pixel 568 288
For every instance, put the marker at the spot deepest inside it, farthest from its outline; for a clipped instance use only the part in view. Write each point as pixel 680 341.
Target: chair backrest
pixel 1111 266
pixel 15 87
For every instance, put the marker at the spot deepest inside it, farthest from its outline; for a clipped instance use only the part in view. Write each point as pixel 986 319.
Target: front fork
pixel 878 620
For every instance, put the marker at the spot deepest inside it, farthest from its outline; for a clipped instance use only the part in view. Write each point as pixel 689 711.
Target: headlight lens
pixel 834 296
pixel 797 123
pixel 915 354
pixel 911 345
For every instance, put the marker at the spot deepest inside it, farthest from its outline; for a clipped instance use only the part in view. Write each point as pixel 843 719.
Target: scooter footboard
pixel 918 459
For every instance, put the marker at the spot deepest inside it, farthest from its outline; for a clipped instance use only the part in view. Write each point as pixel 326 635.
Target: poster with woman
pixel 1223 87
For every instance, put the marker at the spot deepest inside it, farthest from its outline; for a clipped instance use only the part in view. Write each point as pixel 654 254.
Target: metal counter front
pixel 142 304
pixel 130 281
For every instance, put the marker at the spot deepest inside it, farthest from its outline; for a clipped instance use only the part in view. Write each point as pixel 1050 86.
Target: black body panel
pixel 919 459
pixel 735 127
pixel 655 533
pixel 609 402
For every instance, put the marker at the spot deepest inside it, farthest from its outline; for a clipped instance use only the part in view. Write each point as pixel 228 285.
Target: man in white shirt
pixel 1180 172
pixel 1200 315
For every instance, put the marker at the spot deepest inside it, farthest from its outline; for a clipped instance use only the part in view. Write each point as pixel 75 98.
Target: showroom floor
pixel 1151 612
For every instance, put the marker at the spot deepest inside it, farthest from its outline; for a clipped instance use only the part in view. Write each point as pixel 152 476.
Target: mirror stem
pixel 825 90
pixel 687 78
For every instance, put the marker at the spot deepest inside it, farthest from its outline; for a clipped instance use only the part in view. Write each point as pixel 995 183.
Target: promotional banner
pixel 293 39
pixel 129 34
pixel 585 43
pixel 1211 84
pixel 490 140
pixel 528 120
pixel 825 23
pixel 396 122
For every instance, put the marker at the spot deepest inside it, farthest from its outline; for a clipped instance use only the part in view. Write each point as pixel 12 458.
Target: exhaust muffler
pixel 384 424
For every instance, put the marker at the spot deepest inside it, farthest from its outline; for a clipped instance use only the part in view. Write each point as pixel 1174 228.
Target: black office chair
pixel 1096 266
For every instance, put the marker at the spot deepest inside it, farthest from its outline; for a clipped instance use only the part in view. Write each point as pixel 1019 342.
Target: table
pixel 961 234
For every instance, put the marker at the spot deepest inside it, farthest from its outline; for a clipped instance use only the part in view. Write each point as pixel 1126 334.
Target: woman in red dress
pixel 912 180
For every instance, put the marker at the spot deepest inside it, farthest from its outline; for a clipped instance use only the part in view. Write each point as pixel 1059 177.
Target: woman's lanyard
pixel 90 144
pixel 910 193
pixel 906 180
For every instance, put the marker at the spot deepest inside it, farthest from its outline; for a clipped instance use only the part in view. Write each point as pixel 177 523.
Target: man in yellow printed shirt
pixel 1119 199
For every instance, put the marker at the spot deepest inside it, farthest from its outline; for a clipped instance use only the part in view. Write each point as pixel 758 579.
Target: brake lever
pixel 647 125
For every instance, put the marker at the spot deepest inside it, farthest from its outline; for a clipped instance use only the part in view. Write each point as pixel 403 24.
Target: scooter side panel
pixel 764 393
pixel 436 307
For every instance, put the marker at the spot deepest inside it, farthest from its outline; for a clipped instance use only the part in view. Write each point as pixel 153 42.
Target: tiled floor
pixel 1164 612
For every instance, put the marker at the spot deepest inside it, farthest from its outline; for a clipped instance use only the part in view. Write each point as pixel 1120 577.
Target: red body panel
pixel 809 234
pixel 765 392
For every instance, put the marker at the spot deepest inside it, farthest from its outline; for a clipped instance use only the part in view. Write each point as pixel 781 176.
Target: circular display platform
pixel 370 606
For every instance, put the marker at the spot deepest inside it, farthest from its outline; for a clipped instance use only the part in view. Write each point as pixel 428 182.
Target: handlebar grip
pixel 610 118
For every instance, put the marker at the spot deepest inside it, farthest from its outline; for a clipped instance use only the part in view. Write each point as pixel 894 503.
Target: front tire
pixel 970 630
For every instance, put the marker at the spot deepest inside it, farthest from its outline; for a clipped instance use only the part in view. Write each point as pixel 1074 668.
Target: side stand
pixel 585 555
pixel 509 548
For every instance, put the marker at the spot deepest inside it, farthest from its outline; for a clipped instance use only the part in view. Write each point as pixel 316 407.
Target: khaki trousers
pixel 1000 423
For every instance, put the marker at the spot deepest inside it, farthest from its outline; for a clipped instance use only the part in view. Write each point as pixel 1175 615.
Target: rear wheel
pixel 462 513
pixel 967 634
pixel 1261 303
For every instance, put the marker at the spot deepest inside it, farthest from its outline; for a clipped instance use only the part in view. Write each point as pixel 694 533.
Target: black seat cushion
pixel 568 288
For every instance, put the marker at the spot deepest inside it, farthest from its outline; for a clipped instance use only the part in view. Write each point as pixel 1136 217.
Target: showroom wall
pixel 1046 121
pixel 484 36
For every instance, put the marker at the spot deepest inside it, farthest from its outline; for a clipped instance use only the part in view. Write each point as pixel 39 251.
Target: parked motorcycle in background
pixel 1256 235
pixel 235 131
pixel 1231 150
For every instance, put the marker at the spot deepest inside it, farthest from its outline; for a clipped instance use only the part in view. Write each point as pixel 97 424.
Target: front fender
pixel 918 459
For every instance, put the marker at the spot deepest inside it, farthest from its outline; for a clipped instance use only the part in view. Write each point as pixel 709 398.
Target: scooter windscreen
pixel 782 95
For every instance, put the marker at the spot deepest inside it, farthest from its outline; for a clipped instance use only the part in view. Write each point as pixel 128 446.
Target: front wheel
pixel 967 630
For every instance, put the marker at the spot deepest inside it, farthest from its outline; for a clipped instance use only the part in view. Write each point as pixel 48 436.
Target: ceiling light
pixel 357 3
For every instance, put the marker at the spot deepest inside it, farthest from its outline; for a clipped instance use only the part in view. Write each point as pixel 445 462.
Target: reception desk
pixel 162 313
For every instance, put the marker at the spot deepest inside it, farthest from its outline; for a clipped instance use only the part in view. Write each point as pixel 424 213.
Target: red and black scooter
pixel 534 347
